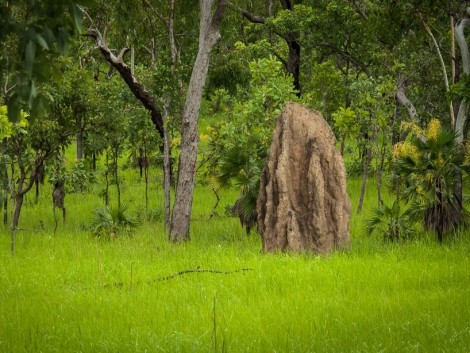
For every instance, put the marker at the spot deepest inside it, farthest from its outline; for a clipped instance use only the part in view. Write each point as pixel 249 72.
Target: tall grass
pixel 75 293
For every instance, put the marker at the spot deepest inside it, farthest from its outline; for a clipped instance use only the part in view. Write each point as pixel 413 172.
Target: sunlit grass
pixel 74 293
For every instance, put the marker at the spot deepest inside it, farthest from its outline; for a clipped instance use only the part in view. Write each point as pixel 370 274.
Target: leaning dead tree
pixel 139 91
pixel 147 100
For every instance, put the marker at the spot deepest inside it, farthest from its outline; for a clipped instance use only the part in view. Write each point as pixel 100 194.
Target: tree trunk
pixel 208 37
pixel 293 62
pixel 462 114
pixel 116 176
pixel 24 185
pixel 400 97
pixel 365 174
pixel 6 184
pixel 167 172
pixel 14 222
pixel 79 138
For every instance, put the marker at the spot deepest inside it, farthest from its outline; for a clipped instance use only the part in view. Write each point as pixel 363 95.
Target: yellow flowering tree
pixel 426 165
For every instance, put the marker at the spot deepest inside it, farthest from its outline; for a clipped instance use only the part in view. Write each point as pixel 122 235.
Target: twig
pixel 166 278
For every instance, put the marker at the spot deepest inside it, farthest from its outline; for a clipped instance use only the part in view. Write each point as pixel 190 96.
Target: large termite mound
pixel 303 204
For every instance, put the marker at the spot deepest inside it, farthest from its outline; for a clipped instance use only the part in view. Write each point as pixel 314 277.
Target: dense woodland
pixel 194 89
pixel 133 135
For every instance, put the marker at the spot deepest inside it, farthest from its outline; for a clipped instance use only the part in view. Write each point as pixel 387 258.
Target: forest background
pixel 108 103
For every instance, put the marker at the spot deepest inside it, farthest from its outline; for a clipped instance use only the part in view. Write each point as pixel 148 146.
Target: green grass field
pixel 70 292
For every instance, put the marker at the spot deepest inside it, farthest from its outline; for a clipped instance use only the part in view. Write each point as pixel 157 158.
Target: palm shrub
pixel 111 222
pixel 239 144
pixel 427 166
pixel 392 221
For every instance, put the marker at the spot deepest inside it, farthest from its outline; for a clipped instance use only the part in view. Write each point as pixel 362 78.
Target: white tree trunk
pixel 208 37
pixel 463 109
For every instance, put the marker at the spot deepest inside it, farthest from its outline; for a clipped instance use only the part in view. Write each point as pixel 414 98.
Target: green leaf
pixel 13 108
pixel 42 42
pixel 30 55
pixel 77 17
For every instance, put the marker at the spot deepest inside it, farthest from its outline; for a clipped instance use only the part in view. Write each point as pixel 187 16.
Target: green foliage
pixel 325 87
pixel 461 89
pixel 240 143
pixel 38 27
pixel 391 222
pixel 8 128
pixel 111 222
pixel 427 165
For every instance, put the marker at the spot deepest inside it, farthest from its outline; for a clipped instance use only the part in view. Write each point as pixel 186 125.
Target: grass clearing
pixel 73 293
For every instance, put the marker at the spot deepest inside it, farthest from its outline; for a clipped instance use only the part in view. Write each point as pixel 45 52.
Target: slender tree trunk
pixel 106 178
pixel 293 62
pixel 365 174
pixel 14 222
pixel 79 138
pixel 6 183
pixel 167 171
pixel 208 37
pixel 116 177
pixel 146 177
pixel 379 174
pixel 5 202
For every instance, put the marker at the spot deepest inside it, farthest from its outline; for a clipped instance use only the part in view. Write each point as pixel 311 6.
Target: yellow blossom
pixel 176 141
pixel 433 130
pixel 405 150
pixel 415 129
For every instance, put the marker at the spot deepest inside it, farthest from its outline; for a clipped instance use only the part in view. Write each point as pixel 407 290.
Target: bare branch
pixel 123 52
pixel 158 14
pixel 443 67
pixel 348 57
pixel 124 70
pixel 401 98
pixel 251 17
pixel 359 10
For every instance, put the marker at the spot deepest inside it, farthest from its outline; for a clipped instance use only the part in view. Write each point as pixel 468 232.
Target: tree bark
pixel 208 37
pixel 23 186
pixel 462 114
pixel 79 138
pixel 401 98
pixel 125 71
pixel 7 184
pixel 365 175
pixel 462 43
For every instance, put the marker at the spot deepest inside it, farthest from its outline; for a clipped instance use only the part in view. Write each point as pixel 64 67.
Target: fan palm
pixel 112 221
pixel 428 166
pixel 391 221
